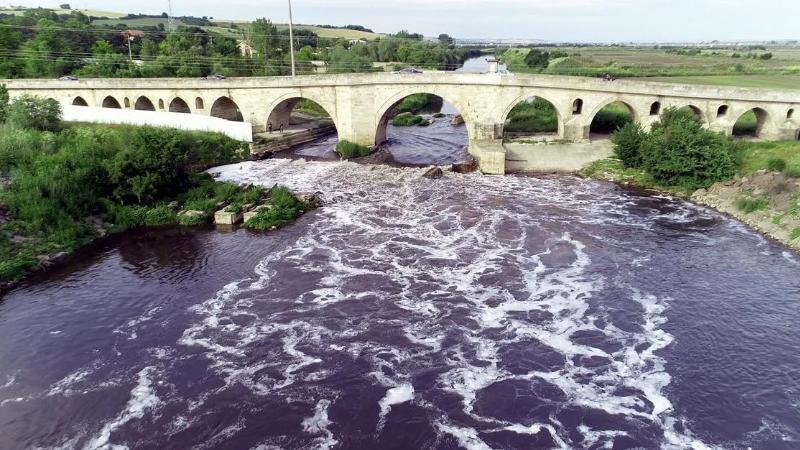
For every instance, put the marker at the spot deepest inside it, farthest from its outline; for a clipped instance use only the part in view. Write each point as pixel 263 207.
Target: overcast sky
pixel 551 20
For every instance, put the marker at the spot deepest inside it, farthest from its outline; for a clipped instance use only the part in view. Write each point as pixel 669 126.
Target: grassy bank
pixel 756 182
pixel 62 189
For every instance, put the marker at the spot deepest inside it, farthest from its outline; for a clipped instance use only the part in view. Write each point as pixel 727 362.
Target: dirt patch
pixel 774 203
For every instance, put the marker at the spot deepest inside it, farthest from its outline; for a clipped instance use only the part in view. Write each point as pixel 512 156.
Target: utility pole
pixel 170 20
pixel 130 52
pixel 291 38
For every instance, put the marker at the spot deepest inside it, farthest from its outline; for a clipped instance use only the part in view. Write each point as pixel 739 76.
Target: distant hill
pixel 88 12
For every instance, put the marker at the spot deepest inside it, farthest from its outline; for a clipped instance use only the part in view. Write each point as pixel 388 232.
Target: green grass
pixel 538 116
pixel 612 169
pixel 611 118
pixel 755 156
pixel 795 234
pixel 407 121
pixel 746 125
pixel 749 204
pixel 347 150
pixel 88 12
pixel 766 81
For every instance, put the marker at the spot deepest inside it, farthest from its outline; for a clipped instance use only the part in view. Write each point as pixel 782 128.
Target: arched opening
pixel 655 108
pixel 144 104
pixel 533 117
pixel 179 106
pixel 577 107
pixel 225 108
pixel 302 121
pixel 722 111
pixel 790 114
pixel 79 101
pixel 610 118
pixel 160 104
pixel 423 129
pixel 198 103
pixel 111 102
pixel 750 123
pixel 694 110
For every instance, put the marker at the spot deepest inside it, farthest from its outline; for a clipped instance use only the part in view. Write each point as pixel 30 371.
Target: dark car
pixel 214 77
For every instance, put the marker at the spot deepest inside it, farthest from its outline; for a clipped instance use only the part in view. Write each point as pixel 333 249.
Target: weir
pixel 358 103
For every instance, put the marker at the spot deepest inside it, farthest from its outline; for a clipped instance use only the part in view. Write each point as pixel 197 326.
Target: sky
pixel 549 20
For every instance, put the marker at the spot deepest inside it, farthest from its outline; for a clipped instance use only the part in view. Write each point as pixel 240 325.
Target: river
pixel 469 312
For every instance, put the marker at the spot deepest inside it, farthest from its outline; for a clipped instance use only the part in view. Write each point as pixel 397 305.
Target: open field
pixel 88 12
pixel 755 81
pixel 629 61
pixel 224 27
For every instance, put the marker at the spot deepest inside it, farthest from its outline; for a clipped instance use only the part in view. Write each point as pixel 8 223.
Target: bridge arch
pixel 696 111
pixel 609 115
pixel 178 105
pixel 751 123
pixel 110 102
pixel 225 108
pixel 548 119
pixel 144 104
pixel 384 113
pixel 280 111
pixel 79 101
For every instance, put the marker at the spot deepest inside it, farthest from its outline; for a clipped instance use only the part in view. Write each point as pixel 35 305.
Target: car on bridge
pixel 407 71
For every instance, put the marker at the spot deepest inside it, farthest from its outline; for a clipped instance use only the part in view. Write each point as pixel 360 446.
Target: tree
pixel 445 39
pixel 36 113
pixel 3 103
pixel 537 59
pixel 64 6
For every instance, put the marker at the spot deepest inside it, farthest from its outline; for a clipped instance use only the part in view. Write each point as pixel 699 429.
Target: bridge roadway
pixel 361 104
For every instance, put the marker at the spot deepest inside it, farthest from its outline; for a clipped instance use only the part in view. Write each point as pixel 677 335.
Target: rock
pixel 191 213
pixel 465 167
pixel 405 114
pixel 457 120
pixel 174 205
pixel 310 200
pixel 434 173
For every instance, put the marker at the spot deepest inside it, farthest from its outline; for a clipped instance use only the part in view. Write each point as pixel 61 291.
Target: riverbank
pixel 65 187
pixel 768 201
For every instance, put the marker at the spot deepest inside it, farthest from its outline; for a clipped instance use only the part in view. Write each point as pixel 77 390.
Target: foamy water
pixel 469 312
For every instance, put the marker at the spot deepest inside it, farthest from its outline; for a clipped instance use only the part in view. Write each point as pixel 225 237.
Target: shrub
pixel 627 144
pixel 3 103
pixel 347 150
pixel 749 205
pixel 679 152
pixel 795 234
pixel 194 220
pixel 35 113
pixel 160 215
pixel 407 121
pixel 283 209
pixel 776 164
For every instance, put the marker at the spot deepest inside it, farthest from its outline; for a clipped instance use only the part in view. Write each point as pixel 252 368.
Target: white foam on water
pixel 790 257
pixel 318 424
pixel 394 396
pixel 143 399
pixel 393 234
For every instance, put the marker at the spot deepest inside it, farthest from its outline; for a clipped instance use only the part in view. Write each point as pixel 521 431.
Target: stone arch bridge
pixel 360 105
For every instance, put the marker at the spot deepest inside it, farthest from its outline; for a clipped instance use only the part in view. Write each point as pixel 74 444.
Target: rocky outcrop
pixel 777 197
pixel 434 173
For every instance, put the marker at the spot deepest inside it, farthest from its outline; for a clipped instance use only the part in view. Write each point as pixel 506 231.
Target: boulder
pixel 434 173
pixel 457 120
pixel 174 205
pixel 465 167
pixel 404 114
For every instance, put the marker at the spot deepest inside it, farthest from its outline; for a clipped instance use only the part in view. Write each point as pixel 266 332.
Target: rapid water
pixel 468 312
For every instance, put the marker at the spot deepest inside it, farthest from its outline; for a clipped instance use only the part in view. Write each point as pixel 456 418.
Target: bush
pixel 283 209
pixel 35 113
pixel 3 103
pixel 407 121
pixel 776 164
pixel 795 234
pixel 628 143
pixel 680 152
pixel 347 150
pixel 160 215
